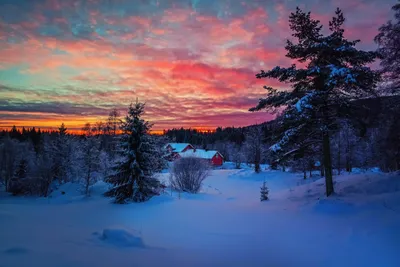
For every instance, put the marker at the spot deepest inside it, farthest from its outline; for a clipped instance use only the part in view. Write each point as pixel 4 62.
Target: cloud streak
pixel 192 62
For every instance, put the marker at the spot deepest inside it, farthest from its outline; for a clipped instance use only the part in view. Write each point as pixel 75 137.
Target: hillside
pixel 224 225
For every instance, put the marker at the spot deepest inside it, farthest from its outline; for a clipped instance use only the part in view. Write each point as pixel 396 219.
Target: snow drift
pixel 121 237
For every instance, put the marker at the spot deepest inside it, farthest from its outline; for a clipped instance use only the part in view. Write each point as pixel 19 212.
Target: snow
pixel 224 225
pixel 200 153
pixel 345 48
pixel 304 102
pixel 121 237
pixel 275 147
pixel 314 69
pixel 341 73
pixel 286 137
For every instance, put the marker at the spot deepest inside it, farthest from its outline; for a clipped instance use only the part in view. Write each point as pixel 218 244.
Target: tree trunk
pixel 322 170
pixel 6 183
pixel 348 164
pixel 87 184
pixel 327 164
pixel 348 152
pixel 257 160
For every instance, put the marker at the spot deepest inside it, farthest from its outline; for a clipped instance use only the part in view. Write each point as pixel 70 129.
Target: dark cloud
pixel 51 107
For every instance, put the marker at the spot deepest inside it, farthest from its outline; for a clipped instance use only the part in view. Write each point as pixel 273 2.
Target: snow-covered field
pixel 225 225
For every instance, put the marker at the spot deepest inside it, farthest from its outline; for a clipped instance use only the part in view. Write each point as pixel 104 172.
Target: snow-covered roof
pixel 200 153
pixel 178 147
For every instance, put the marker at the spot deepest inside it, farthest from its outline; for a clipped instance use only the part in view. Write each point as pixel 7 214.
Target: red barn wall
pixel 217 161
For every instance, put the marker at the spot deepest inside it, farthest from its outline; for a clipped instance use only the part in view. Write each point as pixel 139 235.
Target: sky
pixel 193 62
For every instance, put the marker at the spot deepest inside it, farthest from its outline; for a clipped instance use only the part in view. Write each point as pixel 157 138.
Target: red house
pixel 213 156
pixel 173 149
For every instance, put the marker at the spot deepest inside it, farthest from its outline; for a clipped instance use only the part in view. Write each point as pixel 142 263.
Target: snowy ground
pixel 225 225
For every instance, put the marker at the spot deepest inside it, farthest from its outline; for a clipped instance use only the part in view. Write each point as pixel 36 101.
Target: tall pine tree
pixel 61 151
pixel 133 176
pixel 335 73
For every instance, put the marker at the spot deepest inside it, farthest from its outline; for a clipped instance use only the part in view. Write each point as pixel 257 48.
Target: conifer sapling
pixel 264 192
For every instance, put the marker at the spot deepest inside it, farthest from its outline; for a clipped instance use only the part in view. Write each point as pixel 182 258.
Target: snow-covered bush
pixel 187 174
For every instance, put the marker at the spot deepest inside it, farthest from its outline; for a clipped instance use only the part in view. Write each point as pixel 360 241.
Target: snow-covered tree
pixel 135 168
pixel 60 150
pixel 158 155
pixel 22 169
pixel 236 154
pixel 264 191
pixel 335 73
pixel 8 158
pixel 389 48
pixel 44 169
pixel 105 163
pixel 90 159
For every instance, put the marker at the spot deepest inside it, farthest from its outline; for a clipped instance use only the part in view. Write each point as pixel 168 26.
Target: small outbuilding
pixel 213 156
pixel 178 147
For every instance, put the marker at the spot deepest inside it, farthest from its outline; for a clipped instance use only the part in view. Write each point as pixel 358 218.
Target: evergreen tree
pixel 264 192
pixel 389 48
pixel 335 74
pixel 62 130
pixel 61 152
pixel 133 176
pixel 22 169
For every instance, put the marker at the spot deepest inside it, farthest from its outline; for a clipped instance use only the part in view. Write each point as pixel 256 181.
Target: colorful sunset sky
pixel 192 61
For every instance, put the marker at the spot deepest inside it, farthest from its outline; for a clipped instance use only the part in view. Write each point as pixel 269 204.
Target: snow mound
pixel 351 185
pixel 122 237
pixel 334 206
pixel 374 185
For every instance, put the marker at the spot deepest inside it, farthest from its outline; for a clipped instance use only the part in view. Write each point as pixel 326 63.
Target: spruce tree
pixel 133 175
pixel 60 150
pixel 335 74
pixel 264 192
pixel 389 48
pixel 62 130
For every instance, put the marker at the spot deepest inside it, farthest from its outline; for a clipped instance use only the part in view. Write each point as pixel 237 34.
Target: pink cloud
pixel 193 68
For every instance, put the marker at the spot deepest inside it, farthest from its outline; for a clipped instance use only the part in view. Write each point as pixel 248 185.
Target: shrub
pixel 187 174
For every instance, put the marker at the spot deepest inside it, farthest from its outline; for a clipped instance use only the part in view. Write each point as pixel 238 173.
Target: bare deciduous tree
pixel 254 146
pixel 187 174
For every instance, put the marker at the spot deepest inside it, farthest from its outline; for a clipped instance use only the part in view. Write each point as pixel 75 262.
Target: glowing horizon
pixel 192 62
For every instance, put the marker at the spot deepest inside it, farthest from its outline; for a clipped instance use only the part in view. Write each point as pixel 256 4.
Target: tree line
pixel 34 162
